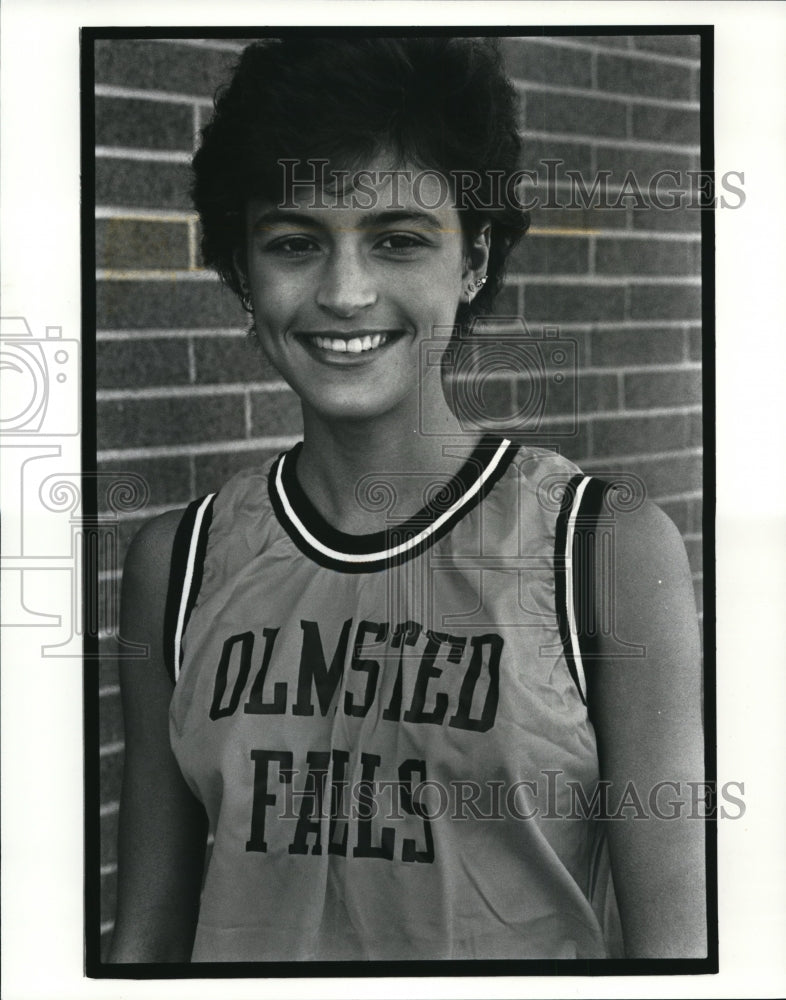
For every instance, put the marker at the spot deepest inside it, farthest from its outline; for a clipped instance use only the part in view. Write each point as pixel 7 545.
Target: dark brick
pixel 666 124
pixel 107 671
pixel 111 777
pixel 166 65
pixel 640 168
pixel 160 304
pixel 212 471
pixel 696 433
pixel 134 244
pixel 572 441
pixel 573 303
pixel 650 257
pixel 507 301
pixel 106 943
pixel 546 112
pixel 136 423
pixel 490 404
pixel 168 479
pixel 695 554
pixel 688 46
pixel 591 394
pixel 665 302
pixel 633 436
pixel 275 414
pixel 680 513
pixel 110 719
pixel 550 255
pixel 144 124
pixel 109 838
pixel 108 896
pixel 662 477
pixel 698 593
pixel 141 363
pixel 618 348
pixel 643 77
pixel 231 359
pixel 642 391
pixel 695 343
pixel 606 41
pixel 575 156
pixel 536 62
pixel 578 217
pixel 660 219
pixel 136 183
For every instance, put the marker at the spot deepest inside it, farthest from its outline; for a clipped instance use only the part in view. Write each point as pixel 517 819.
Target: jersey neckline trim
pixel 349 553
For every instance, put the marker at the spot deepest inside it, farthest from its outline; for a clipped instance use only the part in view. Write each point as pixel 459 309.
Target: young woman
pixel 368 689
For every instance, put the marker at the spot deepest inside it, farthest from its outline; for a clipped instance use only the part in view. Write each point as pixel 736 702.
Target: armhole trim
pixel 185 578
pixel 575 572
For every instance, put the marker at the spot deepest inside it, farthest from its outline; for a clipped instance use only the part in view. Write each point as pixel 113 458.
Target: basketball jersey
pixel 389 731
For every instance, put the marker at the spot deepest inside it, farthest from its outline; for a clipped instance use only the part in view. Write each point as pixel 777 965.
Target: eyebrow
pixel 370 220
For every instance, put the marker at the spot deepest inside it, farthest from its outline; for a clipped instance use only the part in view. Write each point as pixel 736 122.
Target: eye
pixel 293 246
pixel 401 243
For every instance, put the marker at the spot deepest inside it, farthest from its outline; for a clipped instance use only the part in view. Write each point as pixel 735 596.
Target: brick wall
pixel 183 400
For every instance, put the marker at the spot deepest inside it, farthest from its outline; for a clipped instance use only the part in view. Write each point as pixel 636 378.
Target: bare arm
pixel 161 839
pixel 647 713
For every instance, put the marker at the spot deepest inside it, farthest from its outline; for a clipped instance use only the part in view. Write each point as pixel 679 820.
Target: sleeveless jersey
pixel 389 731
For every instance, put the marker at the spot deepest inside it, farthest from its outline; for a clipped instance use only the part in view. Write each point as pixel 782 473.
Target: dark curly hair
pixel 439 103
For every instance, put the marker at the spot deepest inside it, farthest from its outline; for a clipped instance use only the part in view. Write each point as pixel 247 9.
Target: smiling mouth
pixel 361 344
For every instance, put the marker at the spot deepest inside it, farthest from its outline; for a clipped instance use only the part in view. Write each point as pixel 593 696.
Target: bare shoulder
pixel 648 535
pixel 151 548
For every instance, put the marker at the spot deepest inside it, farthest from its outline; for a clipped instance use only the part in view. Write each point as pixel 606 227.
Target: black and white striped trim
pixel 374 552
pixel 575 573
pixel 185 578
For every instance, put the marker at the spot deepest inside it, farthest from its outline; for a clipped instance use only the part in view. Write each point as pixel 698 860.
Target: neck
pixel 337 456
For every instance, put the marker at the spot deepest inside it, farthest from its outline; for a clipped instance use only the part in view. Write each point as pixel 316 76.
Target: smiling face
pixel 343 296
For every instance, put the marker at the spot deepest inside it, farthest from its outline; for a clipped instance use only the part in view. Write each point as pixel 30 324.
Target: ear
pixel 476 260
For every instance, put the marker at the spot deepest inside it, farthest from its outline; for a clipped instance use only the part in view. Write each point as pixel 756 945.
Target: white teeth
pixel 354 346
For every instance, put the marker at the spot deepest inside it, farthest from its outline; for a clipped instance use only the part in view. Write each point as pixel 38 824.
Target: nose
pixel 345 286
